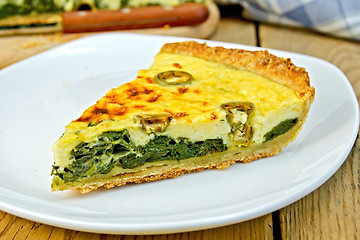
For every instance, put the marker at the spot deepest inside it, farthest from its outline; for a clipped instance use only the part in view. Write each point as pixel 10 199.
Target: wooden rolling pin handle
pixel 134 18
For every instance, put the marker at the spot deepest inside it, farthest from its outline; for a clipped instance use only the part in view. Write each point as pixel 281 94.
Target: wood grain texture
pixel 12 227
pixel 333 210
pixel 235 31
pixel 16 48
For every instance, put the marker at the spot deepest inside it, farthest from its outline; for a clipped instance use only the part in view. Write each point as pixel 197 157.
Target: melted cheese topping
pixel 195 107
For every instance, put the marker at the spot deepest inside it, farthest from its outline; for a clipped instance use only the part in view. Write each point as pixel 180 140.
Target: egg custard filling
pixel 196 107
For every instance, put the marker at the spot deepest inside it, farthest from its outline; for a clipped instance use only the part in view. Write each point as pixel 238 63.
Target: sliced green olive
pixel 241 106
pixel 241 134
pixel 174 77
pixel 237 114
pixel 155 122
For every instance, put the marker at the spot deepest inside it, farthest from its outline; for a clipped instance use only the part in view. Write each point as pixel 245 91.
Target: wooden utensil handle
pixel 134 18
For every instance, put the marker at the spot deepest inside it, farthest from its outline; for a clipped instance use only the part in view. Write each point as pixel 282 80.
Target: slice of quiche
pixel 196 107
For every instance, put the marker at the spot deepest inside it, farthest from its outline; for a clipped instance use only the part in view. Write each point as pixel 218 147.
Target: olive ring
pixel 174 77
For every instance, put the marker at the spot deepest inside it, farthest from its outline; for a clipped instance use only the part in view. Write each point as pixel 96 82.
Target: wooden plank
pixel 12 227
pixel 333 210
pixel 17 48
pixel 235 31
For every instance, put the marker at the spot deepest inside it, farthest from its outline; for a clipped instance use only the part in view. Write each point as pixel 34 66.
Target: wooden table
pixel 330 212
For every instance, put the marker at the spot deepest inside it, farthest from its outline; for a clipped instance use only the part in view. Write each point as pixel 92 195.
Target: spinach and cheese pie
pixel 40 13
pixel 196 107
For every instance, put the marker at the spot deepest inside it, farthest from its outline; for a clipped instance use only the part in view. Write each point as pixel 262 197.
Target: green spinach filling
pixel 116 149
pixel 280 129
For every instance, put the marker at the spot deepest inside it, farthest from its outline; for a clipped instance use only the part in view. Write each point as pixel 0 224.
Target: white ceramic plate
pixel 41 94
